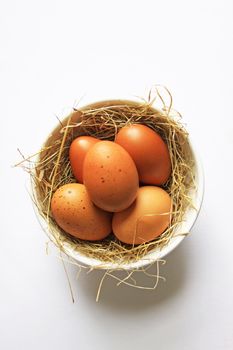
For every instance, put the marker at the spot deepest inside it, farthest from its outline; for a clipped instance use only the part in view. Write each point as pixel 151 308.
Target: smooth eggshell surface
pixel 110 176
pixel 149 152
pixel 74 212
pixel 77 153
pixel 146 218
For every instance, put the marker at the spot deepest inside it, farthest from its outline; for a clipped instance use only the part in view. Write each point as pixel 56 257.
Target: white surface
pixel 52 52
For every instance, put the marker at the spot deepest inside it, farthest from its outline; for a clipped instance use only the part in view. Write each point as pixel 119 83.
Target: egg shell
pixel 149 152
pixel 110 176
pixel 146 218
pixel 75 213
pixel 77 153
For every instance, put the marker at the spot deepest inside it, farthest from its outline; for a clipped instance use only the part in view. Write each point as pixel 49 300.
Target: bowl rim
pixel 153 255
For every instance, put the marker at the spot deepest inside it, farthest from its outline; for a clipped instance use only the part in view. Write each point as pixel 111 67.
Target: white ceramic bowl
pixel 185 227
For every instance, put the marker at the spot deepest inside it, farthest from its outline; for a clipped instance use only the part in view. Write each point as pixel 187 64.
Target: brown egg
pixel 74 212
pixel 146 218
pixel 149 152
pixel 110 176
pixel 77 153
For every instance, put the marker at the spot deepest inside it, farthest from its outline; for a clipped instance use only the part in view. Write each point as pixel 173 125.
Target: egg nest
pixel 103 120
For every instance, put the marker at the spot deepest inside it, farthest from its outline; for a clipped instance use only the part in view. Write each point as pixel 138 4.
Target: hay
pixel 52 169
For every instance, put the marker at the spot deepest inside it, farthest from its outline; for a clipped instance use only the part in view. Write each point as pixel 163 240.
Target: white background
pixel 51 54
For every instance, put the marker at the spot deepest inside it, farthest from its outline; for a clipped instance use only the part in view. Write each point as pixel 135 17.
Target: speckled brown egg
pixel 75 213
pixel 110 176
pixel 146 218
